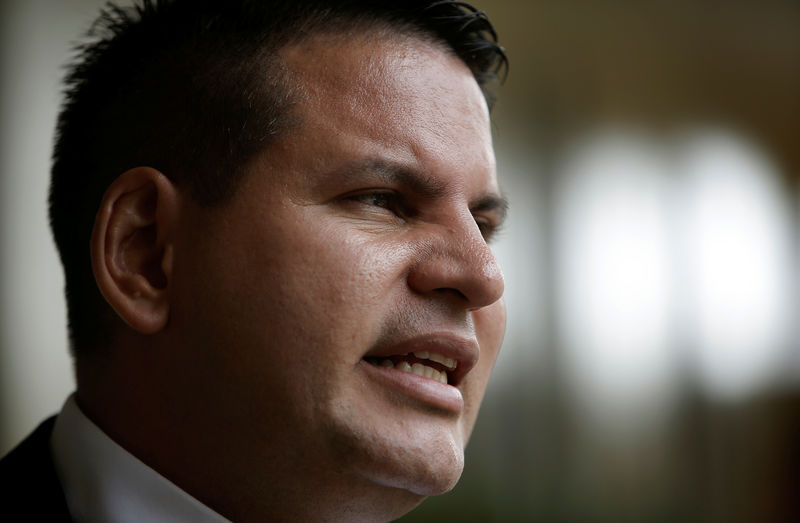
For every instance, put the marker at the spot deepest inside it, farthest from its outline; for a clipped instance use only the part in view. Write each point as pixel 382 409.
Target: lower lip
pixel 425 390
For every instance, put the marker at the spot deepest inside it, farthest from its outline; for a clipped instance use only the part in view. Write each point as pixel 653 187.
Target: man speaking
pixel 274 220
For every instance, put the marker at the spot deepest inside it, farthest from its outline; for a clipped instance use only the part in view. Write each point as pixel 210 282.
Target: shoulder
pixel 28 481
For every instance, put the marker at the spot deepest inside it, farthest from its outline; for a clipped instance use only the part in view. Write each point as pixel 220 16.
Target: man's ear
pixel 132 247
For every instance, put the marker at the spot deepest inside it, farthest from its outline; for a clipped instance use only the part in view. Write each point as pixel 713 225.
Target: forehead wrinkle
pixel 389 50
pixel 388 59
pixel 378 83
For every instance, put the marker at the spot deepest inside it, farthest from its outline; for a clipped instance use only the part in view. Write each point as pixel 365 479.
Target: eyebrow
pixel 394 174
pixel 397 174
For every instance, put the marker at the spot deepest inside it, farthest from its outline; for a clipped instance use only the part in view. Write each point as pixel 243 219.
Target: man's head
pixel 294 204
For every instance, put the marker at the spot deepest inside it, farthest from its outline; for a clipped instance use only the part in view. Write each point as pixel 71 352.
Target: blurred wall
pixel 35 374
pixel 650 370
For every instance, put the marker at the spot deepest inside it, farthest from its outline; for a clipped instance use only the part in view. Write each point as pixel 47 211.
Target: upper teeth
pixel 416 368
pixel 450 363
pixel 423 370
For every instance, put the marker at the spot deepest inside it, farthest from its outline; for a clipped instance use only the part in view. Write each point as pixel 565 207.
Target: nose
pixel 458 262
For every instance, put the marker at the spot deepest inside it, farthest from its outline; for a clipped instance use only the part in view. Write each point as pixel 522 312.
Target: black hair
pixel 194 89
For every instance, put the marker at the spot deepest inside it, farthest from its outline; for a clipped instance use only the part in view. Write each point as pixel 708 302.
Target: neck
pixel 139 405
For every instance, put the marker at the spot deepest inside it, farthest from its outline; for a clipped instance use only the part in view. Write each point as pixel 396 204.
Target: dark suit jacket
pixel 29 487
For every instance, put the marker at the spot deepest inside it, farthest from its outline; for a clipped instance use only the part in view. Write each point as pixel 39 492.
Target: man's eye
pixel 487 228
pixel 384 200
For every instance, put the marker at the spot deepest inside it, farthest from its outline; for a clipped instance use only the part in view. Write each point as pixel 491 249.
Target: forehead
pixel 397 95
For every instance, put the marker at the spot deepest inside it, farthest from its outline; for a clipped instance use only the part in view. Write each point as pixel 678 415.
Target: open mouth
pixel 422 363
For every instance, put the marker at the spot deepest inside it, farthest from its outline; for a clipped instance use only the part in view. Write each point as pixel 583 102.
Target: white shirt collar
pixel 105 483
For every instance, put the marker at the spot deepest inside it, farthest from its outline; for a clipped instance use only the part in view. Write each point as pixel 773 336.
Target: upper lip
pixel 463 349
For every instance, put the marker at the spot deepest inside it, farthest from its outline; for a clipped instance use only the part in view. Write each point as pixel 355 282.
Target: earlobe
pixel 132 247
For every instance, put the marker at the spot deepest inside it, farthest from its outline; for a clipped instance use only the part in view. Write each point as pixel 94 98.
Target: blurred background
pixel 651 369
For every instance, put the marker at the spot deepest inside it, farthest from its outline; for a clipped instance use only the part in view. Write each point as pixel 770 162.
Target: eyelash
pixel 394 202
pixel 486 229
pixel 391 198
pixel 489 230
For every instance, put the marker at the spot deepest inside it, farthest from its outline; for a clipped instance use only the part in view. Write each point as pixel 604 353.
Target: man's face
pixel 353 249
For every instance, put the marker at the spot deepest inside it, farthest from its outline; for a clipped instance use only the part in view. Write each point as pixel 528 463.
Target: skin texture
pixel 241 374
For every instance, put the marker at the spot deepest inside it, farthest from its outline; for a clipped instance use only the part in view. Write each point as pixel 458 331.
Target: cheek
pixel 348 272
pixel 328 288
pixel 490 325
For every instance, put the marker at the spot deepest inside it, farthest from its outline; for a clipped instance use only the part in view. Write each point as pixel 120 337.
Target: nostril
pixel 458 293
pixel 464 273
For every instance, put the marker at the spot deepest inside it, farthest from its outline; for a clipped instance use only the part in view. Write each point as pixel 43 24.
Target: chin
pixel 434 485
pixel 422 474
pixel 438 480
pixel 400 491
pixel 395 447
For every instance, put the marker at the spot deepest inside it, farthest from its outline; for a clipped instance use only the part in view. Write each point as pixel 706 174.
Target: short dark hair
pixel 194 89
